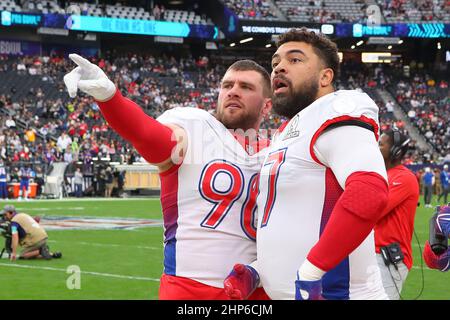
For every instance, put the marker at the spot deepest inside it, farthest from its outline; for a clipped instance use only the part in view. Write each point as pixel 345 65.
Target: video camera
pixel 5 232
pixel 438 241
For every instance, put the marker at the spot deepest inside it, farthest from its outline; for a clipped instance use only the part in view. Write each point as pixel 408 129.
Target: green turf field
pixel 126 264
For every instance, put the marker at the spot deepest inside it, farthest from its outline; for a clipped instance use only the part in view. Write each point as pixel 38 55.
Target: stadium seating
pixel 253 9
pixel 9 5
pixel 321 11
pixel 318 11
pixel 41 101
pixel 337 11
pixel 112 11
pixel 158 83
pixel 41 7
pixel 415 11
pixel 426 101
pixel 185 16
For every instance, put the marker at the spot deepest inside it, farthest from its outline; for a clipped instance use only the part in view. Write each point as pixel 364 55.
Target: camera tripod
pixel 3 251
pixel 6 248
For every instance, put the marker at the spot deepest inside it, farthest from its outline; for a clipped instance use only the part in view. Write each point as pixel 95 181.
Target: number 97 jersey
pixel 209 201
pixel 298 194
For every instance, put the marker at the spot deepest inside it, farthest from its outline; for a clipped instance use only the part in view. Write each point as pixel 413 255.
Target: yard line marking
pixel 84 199
pixel 107 245
pixel 122 276
pixel 424 268
pixel 56 223
pixel 24 266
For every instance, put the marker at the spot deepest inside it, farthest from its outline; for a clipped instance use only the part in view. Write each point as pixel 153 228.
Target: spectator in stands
pixel 3 181
pixel 21 68
pixel 119 176
pixel 30 135
pixel 63 141
pixel 445 182
pixel 101 181
pixel 10 123
pixel 259 9
pixel 78 182
pixel 162 11
pixel 40 180
pixel 428 183
pixel 25 174
pixel 68 157
pixel 75 148
pixel 437 189
pixel 156 12
pixel 84 9
pixel 109 182
pixel 390 106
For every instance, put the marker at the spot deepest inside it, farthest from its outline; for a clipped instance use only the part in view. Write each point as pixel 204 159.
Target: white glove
pixel 90 79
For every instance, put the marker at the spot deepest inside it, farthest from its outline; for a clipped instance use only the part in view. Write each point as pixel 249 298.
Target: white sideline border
pixel 80 200
pixel 105 244
pixel 100 274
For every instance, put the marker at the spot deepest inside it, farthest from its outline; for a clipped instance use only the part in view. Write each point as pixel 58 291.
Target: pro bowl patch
pixel 292 130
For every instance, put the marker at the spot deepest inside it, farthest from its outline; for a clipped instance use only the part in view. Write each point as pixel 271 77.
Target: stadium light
pixel 359 43
pixel 400 41
pixel 246 40
pixel 232 44
pixel 439 46
pixel 389 47
pixel 353 47
pixel 268 45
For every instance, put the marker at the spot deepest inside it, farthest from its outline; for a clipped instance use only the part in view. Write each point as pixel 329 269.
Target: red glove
pixel 37 219
pixel 440 262
pixel 241 282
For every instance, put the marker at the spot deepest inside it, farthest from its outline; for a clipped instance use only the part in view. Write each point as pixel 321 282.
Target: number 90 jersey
pixel 297 197
pixel 208 201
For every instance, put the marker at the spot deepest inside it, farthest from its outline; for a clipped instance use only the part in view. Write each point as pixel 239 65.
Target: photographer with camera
pixel 5 232
pixel 437 253
pixel 26 232
pixel 394 230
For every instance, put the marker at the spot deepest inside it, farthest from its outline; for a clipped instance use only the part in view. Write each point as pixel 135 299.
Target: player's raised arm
pixel 153 140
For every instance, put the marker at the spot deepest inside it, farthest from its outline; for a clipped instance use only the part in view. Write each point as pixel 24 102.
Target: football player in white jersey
pixel 323 183
pixel 208 174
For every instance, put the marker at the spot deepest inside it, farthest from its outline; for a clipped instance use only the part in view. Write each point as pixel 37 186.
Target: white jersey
pixel 209 201
pixel 3 174
pixel 298 194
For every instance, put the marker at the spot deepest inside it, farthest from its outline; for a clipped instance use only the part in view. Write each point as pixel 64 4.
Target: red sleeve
pixel 399 191
pixel 353 218
pixel 151 139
